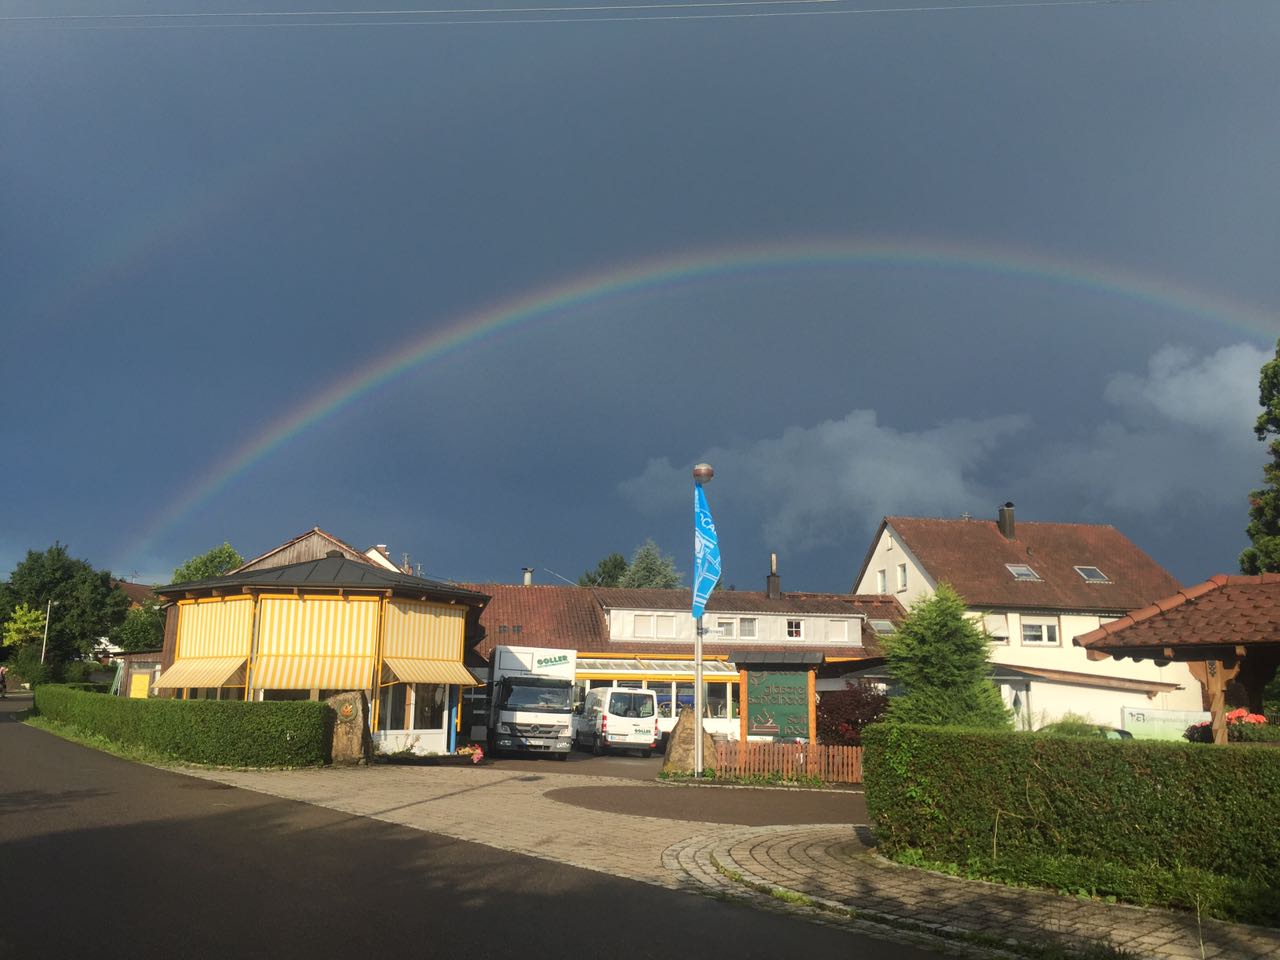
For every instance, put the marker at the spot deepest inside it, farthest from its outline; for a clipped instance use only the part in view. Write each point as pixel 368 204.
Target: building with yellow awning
pixel 312 629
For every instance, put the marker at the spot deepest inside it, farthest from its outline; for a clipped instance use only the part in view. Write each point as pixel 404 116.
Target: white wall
pixel 888 555
pixel 771 629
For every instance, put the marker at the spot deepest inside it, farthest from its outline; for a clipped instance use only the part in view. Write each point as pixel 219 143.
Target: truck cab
pixel 531 700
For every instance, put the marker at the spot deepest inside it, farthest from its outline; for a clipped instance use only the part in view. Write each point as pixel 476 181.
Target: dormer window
pixel 1093 575
pixel 1021 571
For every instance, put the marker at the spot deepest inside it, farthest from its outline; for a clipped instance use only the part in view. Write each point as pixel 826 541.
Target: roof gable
pixel 974 557
pixel 315 544
pixel 1222 611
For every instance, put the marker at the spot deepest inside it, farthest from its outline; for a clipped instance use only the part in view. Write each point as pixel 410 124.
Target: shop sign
pixel 778 703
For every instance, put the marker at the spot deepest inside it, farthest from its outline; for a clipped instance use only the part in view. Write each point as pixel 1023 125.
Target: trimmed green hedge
pixel 222 732
pixel 1140 820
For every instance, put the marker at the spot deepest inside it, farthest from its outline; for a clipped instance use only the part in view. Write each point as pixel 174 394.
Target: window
pixel 391 710
pixel 747 628
pixel 838 631
pixel 902 577
pixel 644 625
pixel 881 627
pixel 429 706
pixel 1093 575
pixel 1040 634
pixel 726 628
pixel 1021 571
pixel 795 629
pixel 882 581
pixel 666 626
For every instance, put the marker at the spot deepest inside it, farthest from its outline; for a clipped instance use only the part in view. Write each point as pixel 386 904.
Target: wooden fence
pixel 830 764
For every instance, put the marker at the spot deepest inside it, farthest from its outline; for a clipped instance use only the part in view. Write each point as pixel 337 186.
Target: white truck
pixel 531 700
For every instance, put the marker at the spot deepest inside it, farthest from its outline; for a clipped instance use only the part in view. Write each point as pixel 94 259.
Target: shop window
pixel 430 703
pixel 391 707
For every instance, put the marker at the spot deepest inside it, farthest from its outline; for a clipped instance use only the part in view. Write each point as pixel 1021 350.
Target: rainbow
pixel 648 275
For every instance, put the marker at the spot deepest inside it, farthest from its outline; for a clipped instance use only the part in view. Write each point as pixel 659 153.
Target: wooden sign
pixel 778 703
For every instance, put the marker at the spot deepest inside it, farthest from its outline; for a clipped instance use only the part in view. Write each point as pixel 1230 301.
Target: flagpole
pixel 706 573
pixel 697 700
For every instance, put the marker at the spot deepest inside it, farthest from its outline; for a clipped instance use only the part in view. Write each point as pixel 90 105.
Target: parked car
pixel 1073 728
pixel 613 718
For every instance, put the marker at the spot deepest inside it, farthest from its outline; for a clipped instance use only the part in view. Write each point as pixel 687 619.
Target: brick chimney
pixel 1005 521
pixel 772 585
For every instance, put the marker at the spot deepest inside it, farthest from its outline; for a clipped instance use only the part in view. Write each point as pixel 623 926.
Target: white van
pixel 618 718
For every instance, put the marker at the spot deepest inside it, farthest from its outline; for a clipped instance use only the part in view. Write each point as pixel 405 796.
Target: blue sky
pixel 1051 236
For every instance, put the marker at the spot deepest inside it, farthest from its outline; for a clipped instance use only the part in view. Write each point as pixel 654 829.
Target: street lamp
pixel 45 645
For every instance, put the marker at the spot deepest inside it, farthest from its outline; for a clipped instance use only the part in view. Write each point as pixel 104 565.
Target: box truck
pixel 531 700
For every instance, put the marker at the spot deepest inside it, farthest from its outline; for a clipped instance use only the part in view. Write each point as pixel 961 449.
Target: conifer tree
pixel 939 657
pixel 1264 504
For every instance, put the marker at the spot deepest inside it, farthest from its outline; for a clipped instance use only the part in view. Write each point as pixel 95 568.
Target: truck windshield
pixel 543 699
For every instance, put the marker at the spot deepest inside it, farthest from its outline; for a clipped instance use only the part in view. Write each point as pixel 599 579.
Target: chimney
pixel 1006 521
pixel 772 585
pixel 528 576
pixel 382 549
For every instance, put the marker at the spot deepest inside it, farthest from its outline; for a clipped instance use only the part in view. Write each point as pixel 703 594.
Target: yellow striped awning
pixel 201 672
pixel 314 671
pixel 412 670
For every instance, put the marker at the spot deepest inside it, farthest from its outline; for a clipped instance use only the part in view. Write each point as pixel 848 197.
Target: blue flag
pixel 706 552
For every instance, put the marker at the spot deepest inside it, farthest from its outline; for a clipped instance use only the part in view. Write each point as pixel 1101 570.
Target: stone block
pixel 679 755
pixel 352 743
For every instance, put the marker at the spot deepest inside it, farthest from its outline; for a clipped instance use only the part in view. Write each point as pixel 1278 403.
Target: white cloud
pixel 812 485
pixel 1181 435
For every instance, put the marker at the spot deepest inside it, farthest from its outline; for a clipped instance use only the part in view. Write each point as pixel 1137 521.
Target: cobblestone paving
pixel 824 873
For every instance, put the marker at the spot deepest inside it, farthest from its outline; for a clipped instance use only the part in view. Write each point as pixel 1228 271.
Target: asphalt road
pixel 101 857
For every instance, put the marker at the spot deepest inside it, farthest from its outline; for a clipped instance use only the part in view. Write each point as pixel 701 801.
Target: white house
pixel 1035 587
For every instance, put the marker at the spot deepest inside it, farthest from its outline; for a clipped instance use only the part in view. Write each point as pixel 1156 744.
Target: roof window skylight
pixel 1093 575
pixel 881 627
pixel 1021 571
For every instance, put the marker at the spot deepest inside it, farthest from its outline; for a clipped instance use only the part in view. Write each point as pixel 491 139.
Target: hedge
pixel 1119 817
pixel 222 732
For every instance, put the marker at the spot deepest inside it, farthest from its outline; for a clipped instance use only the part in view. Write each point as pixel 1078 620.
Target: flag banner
pixel 706 552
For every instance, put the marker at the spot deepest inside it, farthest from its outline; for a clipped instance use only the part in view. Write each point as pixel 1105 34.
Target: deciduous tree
pixel 940 658
pixel 86 604
pixel 25 625
pixel 214 563
pixel 608 572
pixel 142 629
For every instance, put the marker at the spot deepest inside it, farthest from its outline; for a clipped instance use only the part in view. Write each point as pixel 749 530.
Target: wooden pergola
pixel 1227 628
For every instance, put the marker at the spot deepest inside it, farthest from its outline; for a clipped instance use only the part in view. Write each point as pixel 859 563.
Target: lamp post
pixel 45 644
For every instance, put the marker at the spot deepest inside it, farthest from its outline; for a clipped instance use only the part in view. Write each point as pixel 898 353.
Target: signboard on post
pixel 778 703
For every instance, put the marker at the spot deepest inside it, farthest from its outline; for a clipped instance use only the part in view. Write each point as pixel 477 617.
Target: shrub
pixel 1242 727
pixel 841 714
pixel 26 666
pixel 223 732
pixel 1071 725
pixel 1019 804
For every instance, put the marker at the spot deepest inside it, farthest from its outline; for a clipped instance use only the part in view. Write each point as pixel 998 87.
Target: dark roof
pixel 971 556
pixel 1222 611
pixel 776 657
pixel 575 618
pixel 329 573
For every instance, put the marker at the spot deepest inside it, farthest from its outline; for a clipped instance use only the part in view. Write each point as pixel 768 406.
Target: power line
pixel 141 21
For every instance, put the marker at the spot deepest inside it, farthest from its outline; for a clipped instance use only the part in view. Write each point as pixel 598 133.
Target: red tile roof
pixel 1224 610
pixel 137 593
pixel 971 556
pixel 576 618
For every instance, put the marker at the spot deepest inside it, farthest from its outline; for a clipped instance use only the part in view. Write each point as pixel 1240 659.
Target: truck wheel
pixel 597 747
pixel 646 754
pixel 562 756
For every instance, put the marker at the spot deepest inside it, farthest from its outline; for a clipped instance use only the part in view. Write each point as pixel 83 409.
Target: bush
pixel 26 667
pixel 1072 725
pixel 1242 727
pixel 1092 809
pixel 223 732
pixel 841 714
